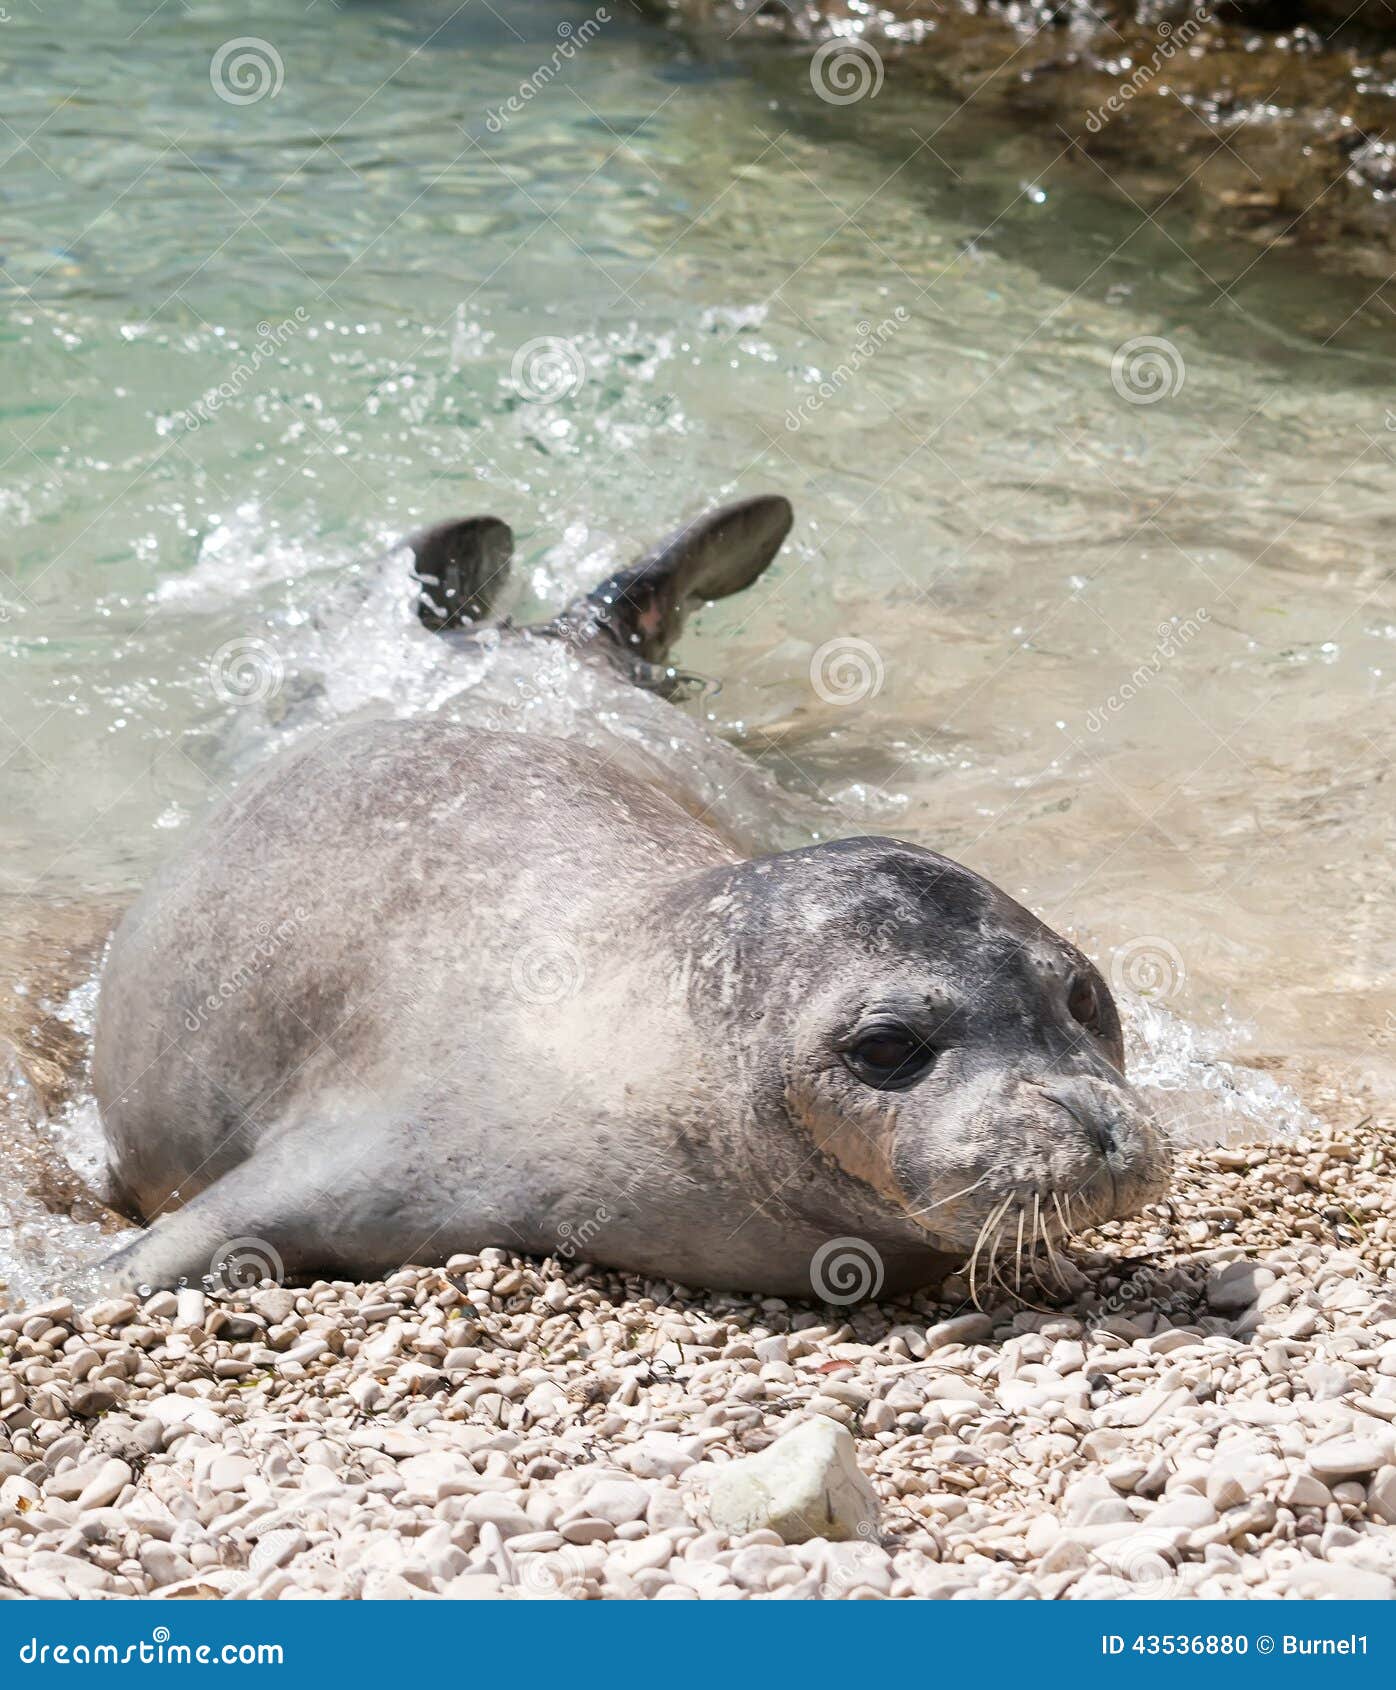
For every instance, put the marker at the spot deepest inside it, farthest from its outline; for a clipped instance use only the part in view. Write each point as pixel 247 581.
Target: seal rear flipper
pixel 642 608
pixel 460 567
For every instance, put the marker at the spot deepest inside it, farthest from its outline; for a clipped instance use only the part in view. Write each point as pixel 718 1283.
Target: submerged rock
pixel 1248 119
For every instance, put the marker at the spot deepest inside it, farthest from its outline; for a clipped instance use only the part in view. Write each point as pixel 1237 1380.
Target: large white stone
pixel 806 1485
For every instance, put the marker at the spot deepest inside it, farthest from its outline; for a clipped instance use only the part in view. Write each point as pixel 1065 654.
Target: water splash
pixel 1202 1096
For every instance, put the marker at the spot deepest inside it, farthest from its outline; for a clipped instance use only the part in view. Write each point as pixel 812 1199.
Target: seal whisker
pixel 995 1267
pixel 1061 1257
pixel 1053 1259
pixel 1063 1216
pixel 940 1202
pixel 989 1221
pixel 1036 1230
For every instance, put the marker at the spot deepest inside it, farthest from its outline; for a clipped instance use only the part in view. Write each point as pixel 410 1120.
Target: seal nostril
pixel 1103 1132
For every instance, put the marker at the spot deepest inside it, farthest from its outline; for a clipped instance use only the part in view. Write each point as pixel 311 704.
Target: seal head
pixel 918 1028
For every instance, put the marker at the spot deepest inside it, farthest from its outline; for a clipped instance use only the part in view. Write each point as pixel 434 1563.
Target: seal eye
pixel 1084 1003
pixel 889 1058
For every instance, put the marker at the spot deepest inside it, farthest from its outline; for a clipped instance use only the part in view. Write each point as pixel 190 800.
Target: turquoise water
pixel 1127 651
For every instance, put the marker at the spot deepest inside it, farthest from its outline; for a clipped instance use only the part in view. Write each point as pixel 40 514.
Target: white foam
pixel 1203 1096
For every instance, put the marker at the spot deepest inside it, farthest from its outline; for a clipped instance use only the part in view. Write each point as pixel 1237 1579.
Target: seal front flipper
pixel 460 566
pixel 641 609
pixel 309 1199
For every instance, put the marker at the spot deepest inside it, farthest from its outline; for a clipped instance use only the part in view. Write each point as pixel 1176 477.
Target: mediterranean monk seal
pixel 419 988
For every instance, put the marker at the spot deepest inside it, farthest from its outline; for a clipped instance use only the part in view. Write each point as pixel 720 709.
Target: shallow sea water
pixel 1112 622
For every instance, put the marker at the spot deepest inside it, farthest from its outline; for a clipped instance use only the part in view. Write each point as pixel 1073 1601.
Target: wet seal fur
pixel 493 989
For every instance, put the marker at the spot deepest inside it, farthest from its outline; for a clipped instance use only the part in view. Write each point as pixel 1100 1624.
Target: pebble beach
pixel 1201 1404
